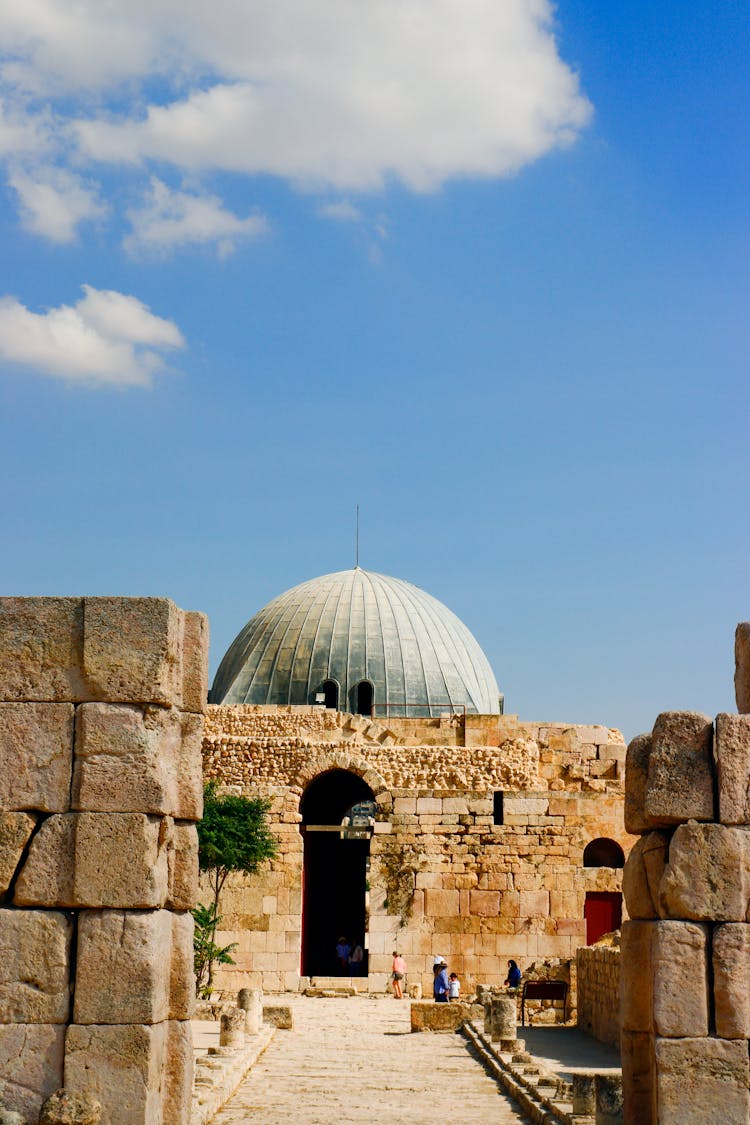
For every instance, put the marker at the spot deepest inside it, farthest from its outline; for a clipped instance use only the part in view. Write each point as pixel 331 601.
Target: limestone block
pixel 742 667
pixel 484 903
pixel 177 1087
pixel 426 1015
pixel 680 769
pixel 34 966
pixel 132 650
pixel 41 649
pixel 440 904
pixel 636 782
pixel 609 1101
pixel 679 979
pixel 36 749
pixel 707 877
pixel 133 967
pixel 638 1078
pixel 731 963
pixel 15 830
pixel 64 1108
pixel 534 902
pixel 232 1031
pixel 429 805
pixel 137 759
pixel 695 1078
pixel 733 767
pixel 636 996
pixel 194 662
pixel 121 1066
pixel 117 860
pixel 183 868
pixel 642 875
pixel 280 1016
pixel 31 1066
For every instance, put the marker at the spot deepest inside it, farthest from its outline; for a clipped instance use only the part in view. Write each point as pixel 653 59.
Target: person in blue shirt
pixel 513 978
pixel 441 984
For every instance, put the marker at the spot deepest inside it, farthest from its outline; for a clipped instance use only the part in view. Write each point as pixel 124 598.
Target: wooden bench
pixel 544 990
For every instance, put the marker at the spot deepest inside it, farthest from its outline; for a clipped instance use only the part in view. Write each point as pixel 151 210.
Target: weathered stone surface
pixel 638 1078
pixel 636 995
pixel 31 1066
pixel 117 860
pixel 183 868
pixel 503 1019
pixel 121 1067
pixel 680 769
pixel 194 662
pixel 137 759
pixel 679 979
pixel 232 1030
pixel 64 1108
pixel 708 874
pixel 584 1094
pixel 636 783
pixel 731 963
pixel 609 1106
pixel 702 1080
pixel 36 749
pixel 733 768
pixel 34 966
pixel 642 875
pixel 278 1015
pixel 742 667
pixel 251 1002
pixel 15 830
pixel 426 1015
pixel 133 967
pixel 177 1085
pixel 131 650
pixel 41 649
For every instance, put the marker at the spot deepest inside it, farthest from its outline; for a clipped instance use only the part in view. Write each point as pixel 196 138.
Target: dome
pixel 361 642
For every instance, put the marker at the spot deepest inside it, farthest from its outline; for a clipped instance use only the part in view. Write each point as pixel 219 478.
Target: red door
pixel 603 913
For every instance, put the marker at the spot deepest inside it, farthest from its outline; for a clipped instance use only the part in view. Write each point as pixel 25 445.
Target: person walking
pixel 441 984
pixel 398 974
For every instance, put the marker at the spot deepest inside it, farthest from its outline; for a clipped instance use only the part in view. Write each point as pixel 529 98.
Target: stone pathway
pixel 355 1060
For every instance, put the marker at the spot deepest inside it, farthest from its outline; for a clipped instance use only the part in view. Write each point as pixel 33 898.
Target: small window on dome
pixel 330 690
pixel 365 698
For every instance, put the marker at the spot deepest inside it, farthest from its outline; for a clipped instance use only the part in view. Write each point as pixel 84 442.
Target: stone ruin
pixel 686 950
pixel 101 785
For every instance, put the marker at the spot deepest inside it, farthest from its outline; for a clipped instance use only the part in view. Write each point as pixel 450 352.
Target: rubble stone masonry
pixel 598 981
pixel 101 704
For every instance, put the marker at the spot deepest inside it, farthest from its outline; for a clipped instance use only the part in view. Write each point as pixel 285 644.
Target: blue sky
pixel 477 266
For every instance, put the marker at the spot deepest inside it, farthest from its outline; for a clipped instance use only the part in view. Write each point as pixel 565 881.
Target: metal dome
pixel 364 641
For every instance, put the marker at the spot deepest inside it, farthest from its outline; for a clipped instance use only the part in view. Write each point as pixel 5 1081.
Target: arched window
pixel 364 698
pixel 330 690
pixel 603 853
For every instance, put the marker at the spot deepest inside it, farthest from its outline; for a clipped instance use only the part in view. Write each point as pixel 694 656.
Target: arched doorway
pixel 364 698
pixel 330 691
pixel 336 862
pixel 602 910
pixel 603 853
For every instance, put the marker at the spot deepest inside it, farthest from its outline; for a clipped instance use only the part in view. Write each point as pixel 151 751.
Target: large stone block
pixel 137 759
pixel 679 975
pixel 707 877
pixel 132 650
pixel 642 875
pixel 183 868
pixel 36 750
pixel 733 768
pixel 731 963
pixel 34 966
pixel 638 1078
pixel 31 1066
pixel 742 667
pixel 41 649
pixel 636 991
pixel 194 662
pixel 117 860
pixel 680 769
pixel 133 967
pixel 177 1085
pixel 702 1080
pixel 428 1016
pixel 122 1067
pixel 636 783
pixel 15 831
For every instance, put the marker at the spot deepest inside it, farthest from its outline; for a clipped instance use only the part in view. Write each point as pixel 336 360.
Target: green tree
pixel 233 836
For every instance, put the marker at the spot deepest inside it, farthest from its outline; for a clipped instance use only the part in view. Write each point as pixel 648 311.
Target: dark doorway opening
pixel 364 699
pixel 603 853
pixel 603 913
pixel 330 691
pixel 336 862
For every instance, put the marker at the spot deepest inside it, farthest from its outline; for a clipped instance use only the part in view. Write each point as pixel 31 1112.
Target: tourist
pixel 441 984
pixel 356 960
pixel 398 973
pixel 454 987
pixel 343 949
pixel 513 978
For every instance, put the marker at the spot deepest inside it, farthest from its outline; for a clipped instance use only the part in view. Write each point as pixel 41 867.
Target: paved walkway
pixel 564 1050
pixel 355 1060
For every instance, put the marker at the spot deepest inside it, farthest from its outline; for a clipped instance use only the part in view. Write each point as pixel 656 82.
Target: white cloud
pixel 346 94
pixel 54 201
pixel 107 338
pixel 342 210
pixel 170 219
pixel 22 132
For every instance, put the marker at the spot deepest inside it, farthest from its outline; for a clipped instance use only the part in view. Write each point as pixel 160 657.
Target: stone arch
pixel 341 760
pixel 603 852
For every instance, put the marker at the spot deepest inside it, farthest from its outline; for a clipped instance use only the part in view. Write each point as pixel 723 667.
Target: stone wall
pixel 100 786
pixel 598 978
pixel 444 877
pixel 686 953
